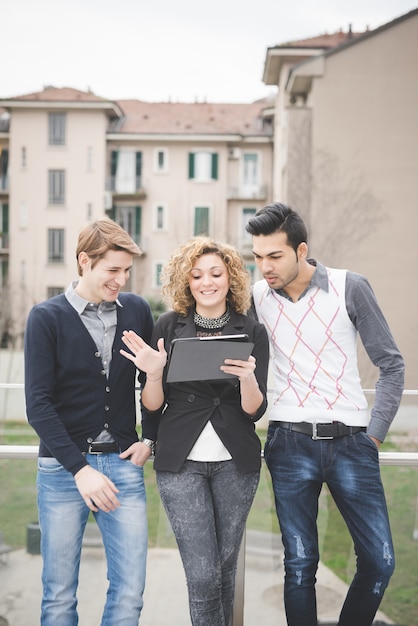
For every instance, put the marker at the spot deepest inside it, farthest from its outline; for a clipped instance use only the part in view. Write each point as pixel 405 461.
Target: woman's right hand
pixel 150 361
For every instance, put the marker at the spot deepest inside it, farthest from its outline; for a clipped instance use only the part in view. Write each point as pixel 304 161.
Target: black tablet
pixel 200 358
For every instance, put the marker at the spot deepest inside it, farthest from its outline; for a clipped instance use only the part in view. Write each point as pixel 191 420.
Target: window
pixel 157 282
pixel 54 291
pixel 161 160
pixel 125 171
pixel 129 217
pixel 4 166
pixel 4 225
pixel 247 214
pixel 250 174
pixel 56 245
pixel 56 129
pixel 23 157
pixel 201 221
pixel 203 166
pixel 56 185
pixel 160 217
pixel 250 267
pixel 4 273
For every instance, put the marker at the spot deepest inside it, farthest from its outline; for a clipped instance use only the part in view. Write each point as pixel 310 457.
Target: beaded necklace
pixel 212 322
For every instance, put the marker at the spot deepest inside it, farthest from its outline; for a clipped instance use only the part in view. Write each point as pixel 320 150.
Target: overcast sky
pixel 159 50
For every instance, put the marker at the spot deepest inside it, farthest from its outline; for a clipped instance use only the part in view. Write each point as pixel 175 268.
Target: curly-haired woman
pixel 208 455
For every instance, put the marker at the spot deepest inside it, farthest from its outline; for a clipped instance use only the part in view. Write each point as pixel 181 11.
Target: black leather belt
pixel 320 431
pixel 103 447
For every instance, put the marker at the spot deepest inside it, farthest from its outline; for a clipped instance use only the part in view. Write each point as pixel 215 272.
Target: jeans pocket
pixel 272 434
pixel 137 467
pixel 49 465
pixel 369 444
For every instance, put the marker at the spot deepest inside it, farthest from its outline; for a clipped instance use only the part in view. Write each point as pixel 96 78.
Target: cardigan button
pixel 191 398
pixel 216 401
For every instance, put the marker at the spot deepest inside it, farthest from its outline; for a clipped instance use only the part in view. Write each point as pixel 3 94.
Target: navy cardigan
pixel 189 406
pixel 69 399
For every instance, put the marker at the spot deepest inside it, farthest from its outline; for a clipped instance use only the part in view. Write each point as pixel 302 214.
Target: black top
pixel 189 406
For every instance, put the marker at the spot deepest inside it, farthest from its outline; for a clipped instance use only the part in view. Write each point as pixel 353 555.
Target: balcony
pixel 245 248
pixel 4 184
pixel 4 243
pixel 125 190
pixel 248 192
pixel 260 573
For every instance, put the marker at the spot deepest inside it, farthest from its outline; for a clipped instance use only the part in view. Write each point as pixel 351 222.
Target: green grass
pixel 18 509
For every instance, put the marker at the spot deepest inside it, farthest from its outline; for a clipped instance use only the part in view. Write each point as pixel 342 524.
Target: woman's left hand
pixel 241 369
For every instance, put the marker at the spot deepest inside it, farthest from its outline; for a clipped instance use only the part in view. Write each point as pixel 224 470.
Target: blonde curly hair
pixel 176 275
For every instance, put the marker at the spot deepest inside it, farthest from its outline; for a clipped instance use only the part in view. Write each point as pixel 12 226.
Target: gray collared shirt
pixel 100 321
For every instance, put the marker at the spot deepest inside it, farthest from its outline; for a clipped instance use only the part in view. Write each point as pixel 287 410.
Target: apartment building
pixel 344 126
pixel 346 157
pixel 164 171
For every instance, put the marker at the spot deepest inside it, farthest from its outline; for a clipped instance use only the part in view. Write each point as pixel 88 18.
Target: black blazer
pixel 189 406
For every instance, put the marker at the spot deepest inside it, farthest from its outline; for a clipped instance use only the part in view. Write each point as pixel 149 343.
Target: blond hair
pixel 99 237
pixel 176 275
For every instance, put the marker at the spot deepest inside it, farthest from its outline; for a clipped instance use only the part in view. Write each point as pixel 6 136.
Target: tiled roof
pixel 167 117
pixel 327 40
pixel 60 94
pixel 192 118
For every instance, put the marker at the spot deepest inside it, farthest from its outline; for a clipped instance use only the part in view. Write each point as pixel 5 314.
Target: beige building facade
pixel 344 127
pixel 165 171
pixel 346 157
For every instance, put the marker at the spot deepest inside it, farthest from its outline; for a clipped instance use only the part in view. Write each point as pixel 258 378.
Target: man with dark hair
pixel 80 399
pixel 319 430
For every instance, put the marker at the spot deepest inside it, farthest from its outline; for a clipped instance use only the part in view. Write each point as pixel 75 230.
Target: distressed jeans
pixel 63 515
pixel 350 467
pixel 207 505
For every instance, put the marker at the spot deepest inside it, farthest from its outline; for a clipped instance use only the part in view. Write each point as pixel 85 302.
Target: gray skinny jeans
pixel 207 504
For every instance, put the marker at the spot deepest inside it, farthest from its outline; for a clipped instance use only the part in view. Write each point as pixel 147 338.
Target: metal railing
pixel 386 458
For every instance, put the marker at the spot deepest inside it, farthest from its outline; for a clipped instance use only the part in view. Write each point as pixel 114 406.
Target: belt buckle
pixel 315 435
pixel 91 451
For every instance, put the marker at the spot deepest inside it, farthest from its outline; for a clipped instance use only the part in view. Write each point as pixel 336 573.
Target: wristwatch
pixel 148 442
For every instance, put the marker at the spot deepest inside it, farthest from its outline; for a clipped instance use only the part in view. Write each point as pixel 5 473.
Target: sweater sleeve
pixel 366 315
pixel 149 419
pixel 40 382
pixel 261 355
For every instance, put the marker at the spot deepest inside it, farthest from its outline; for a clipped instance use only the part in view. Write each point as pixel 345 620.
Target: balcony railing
pixel 125 188
pixel 4 241
pixel 260 571
pixel 4 182
pixel 253 192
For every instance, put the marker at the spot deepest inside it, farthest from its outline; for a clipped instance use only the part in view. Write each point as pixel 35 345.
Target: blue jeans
pixel 350 467
pixel 63 515
pixel 207 505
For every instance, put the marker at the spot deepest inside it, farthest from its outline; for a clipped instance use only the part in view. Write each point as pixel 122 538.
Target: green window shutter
pixel 138 215
pixel 191 165
pixel 112 213
pixel 5 224
pixel 201 220
pixel 113 162
pixel 138 163
pixel 214 173
pixel 4 160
